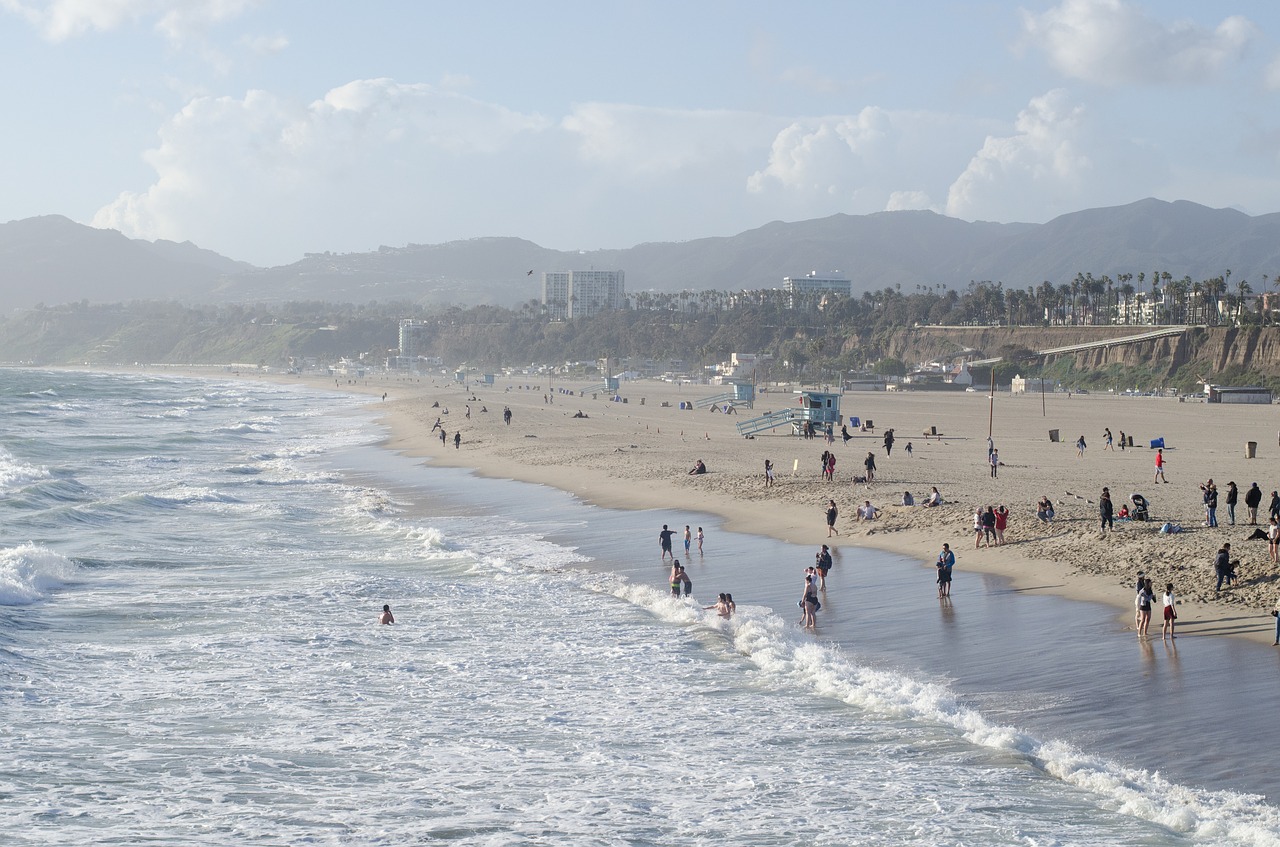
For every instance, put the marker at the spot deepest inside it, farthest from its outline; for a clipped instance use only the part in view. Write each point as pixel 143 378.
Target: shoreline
pixel 636 455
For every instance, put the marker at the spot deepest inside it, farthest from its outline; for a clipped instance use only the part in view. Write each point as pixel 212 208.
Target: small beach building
pixel 1252 394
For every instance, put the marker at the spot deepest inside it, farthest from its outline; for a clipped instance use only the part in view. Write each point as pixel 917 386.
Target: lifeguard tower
pixel 817 407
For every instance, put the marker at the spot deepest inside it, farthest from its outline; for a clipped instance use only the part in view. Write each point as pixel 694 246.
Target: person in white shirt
pixel 1170 612
pixel 867 512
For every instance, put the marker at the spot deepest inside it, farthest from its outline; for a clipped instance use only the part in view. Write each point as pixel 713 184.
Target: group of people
pixel 1142 603
pixel 989 524
pixel 664 542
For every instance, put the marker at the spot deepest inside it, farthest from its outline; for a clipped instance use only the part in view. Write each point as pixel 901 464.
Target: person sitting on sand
pixel 579 414
pixel 907 499
pixel 698 468
pixel 1123 514
pixel 935 497
pixel 1044 510
pixel 386 617
pixel 867 512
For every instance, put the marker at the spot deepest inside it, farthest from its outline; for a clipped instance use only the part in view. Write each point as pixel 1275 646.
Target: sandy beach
pixel 637 455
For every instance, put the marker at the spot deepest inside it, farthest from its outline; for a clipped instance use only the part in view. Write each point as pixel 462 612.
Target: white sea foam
pixel 29 572
pixel 15 474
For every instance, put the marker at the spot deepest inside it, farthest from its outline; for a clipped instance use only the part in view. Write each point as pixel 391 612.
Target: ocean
pixel 191 573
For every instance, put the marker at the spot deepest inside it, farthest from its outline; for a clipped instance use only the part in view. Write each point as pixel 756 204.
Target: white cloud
pixel 1115 42
pixel 644 141
pixel 366 159
pixel 1271 77
pixel 1020 175
pixel 856 163
pixel 177 20
pixel 903 200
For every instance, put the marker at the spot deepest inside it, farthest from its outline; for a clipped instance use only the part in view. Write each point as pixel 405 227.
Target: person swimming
pixel 386 616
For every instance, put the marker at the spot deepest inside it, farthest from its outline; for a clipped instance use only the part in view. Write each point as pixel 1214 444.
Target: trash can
pixel 1157 442
pixel 1053 436
pixel 1251 449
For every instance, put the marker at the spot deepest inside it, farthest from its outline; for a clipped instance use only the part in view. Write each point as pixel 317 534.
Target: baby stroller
pixel 1140 508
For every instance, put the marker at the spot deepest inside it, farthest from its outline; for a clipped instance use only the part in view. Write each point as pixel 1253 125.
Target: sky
pixel 266 129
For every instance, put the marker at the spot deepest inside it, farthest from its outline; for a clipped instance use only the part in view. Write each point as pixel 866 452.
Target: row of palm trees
pixel 1129 299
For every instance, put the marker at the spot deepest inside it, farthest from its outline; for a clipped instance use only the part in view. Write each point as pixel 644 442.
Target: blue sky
pixel 264 129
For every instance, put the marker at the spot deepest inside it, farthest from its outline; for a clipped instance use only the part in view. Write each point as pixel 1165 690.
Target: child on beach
pixel 700 537
pixel 1170 612
pixel 1080 445
pixel 768 473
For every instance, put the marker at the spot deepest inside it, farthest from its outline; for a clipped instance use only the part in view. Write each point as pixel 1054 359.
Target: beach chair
pixel 1141 508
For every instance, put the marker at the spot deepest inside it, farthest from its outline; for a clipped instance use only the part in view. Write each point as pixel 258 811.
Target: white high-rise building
pixel 813 283
pixel 580 294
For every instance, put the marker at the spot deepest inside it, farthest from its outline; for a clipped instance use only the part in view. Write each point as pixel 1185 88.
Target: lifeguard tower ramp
pixel 740 394
pixel 769 420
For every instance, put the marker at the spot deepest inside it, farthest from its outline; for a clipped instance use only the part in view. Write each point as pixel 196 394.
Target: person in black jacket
pixel 1233 497
pixel 1105 512
pixel 1253 499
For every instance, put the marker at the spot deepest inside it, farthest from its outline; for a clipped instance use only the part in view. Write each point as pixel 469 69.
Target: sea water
pixel 190 577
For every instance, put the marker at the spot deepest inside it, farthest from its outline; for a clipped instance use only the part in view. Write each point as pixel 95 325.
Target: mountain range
pixel 53 260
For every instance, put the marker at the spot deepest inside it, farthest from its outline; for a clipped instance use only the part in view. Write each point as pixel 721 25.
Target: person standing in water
pixel 946 561
pixel 386 617
pixel 1170 612
pixel 688 540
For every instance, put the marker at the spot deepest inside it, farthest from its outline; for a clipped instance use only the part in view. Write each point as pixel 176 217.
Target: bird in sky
pixel 530 273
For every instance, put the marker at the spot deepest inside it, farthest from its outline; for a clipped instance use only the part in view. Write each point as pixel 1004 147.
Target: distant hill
pixel 54 260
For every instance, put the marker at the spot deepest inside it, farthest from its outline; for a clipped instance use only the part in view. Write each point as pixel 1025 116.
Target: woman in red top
pixel 1002 521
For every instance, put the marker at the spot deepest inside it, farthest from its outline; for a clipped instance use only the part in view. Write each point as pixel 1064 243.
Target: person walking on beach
pixel 700 537
pixel 844 434
pixel 1252 500
pixel 831 466
pixel 1160 465
pixel 946 561
pixel 991 445
pixel 832 514
pixel 888 442
pixel 688 540
pixel 506 415
pixel 1105 512
pixel 1106 440
pixel 1233 495
pixel 768 473
pixel 1170 612
pixel 1080 445
pixel 1122 440
pixel 908 449
pixel 444 436
pixel 457 440
pixel 994 459
pixel 870 464
pixel 1273 510
pixel 386 617
pixel 664 542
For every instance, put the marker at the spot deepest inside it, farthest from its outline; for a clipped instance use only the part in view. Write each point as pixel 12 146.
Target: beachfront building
pixel 1031 385
pixel 812 286
pixel 581 294
pixel 1238 394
